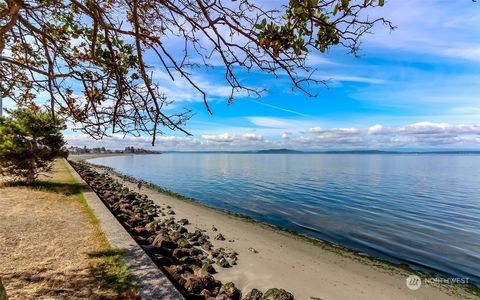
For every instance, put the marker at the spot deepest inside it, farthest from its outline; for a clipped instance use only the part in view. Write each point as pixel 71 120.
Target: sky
pixel 417 87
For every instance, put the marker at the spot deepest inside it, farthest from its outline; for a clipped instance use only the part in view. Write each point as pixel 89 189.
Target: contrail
pixel 282 109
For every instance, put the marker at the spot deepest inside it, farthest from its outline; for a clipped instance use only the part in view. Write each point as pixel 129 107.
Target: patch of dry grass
pixel 49 241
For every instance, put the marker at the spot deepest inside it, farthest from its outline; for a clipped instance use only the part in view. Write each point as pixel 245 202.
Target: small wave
pixel 307 227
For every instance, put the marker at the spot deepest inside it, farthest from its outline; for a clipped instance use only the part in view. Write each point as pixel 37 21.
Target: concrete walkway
pixel 153 284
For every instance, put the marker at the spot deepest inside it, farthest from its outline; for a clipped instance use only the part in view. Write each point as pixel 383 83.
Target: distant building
pixel 74 150
pixel 137 150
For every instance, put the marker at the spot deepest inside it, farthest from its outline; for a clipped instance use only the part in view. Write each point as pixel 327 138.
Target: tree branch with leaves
pixel 94 60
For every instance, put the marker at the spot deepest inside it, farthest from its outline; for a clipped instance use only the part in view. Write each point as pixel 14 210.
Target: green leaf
pixel 381 2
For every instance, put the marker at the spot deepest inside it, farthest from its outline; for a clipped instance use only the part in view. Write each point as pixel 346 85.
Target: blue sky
pixel 417 87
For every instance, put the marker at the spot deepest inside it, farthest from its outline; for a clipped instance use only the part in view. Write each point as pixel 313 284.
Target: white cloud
pixel 375 129
pixel 472 53
pixel 360 79
pixel 467 110
pixel 252 136
pixel 442 91
pixel 345 130
pixel 426 128
pixel 316 59
pixel 180 90
pixel 315 130
pixel 286 135
pixel 430 27
pixel 268 122
pixel 120 142
pixel 220 138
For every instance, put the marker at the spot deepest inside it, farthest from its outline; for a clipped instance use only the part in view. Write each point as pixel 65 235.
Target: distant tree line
pixel 102 150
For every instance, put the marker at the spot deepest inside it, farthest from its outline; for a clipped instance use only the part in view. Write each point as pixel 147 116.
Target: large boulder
pixel 182 229
pixel 131 196
pixel 191 260
pixel 196 252
pixel 183 242
pixel 199 281
pixel 163 241
pixel 140 231
pixel 135 219
pixel 162 260
pixel 176 272
pixel 194 285
pixel 108 196
pixel 222 262
pixel 219 237
pixel 228 291
pixel 141 240
pixel 206 294
pixel 181 252
pixel 167 222
pixel 152 227
pixel 208 267
pixel 125 208
pixel 183 222
pixel 176 235
pixel 277 294
pixel 253 295
pixel 207 246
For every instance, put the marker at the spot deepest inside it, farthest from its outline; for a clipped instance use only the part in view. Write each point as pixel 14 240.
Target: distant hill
pixel 279 151
pixel 290 151
pixel 287 151
pixel 393 152
pixel 357 152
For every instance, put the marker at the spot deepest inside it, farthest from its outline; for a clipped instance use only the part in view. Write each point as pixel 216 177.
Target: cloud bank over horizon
pixel 421 135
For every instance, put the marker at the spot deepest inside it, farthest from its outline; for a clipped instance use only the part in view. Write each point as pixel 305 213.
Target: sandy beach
pixel 273 258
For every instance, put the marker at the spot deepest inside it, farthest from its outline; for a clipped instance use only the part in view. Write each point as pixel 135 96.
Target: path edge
pixel 152 282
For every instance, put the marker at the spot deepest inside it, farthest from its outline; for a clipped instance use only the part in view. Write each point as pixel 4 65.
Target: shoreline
pixel 361 268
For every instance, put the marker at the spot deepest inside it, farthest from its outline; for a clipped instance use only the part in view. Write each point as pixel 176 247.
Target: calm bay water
pixel 423 210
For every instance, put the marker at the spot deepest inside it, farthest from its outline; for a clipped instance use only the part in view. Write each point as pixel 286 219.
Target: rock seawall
pixel 188 258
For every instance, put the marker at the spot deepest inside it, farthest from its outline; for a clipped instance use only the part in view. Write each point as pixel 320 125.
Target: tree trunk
pixel 31 172
pixel 31 165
